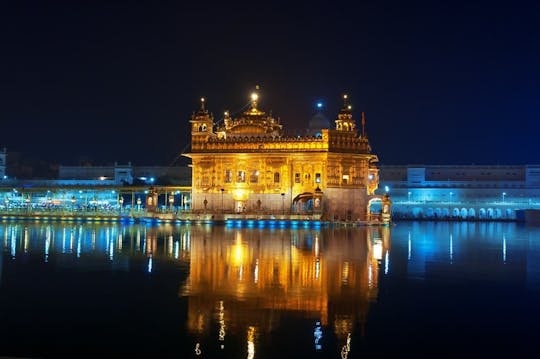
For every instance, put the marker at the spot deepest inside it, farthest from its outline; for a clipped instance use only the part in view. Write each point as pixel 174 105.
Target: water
pixel 416 289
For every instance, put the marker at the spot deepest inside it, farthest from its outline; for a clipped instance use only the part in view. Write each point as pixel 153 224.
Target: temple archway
pixel 303 203
pixel 374 208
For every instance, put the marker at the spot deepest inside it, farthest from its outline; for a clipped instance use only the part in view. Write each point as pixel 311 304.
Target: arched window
pixel 276 177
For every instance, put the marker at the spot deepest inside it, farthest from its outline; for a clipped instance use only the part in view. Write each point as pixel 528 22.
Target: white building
pixel 461 191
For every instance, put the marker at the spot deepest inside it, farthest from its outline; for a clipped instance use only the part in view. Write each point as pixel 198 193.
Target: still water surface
pixel 416 289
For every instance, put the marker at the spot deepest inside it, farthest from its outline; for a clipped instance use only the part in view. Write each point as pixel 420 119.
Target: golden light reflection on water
pixel 242 280
pixel 242 283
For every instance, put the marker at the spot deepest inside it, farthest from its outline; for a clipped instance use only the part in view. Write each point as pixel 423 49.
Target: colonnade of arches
pixel 461 213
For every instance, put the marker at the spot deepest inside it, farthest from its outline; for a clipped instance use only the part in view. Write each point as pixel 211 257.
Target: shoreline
pixel 239 220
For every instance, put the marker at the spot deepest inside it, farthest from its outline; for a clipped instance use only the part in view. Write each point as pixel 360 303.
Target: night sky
pixel 454 83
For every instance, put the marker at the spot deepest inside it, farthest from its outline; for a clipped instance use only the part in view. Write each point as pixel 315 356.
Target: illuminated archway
pixel 303 203
pixel 482 213
pixel 374 208
pixel 445 212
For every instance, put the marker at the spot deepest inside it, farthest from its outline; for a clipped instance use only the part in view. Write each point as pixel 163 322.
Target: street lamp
pixel 6 201
pixel 73 203
pixel 27 200
pixel 121 202
pixel 283 203
pixel 409 194
pixel 171 201
pixel 185 202
pixel 222 190
pixel 503 195
pixel 451 193
pixel 138 203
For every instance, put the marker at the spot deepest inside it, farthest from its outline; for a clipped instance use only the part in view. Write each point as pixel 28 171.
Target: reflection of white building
pixel 461 191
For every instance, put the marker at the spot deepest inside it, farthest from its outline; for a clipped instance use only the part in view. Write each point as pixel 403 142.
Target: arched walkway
pixel 303 203
pixel 417 212
pixel 374 208
pixel 482 213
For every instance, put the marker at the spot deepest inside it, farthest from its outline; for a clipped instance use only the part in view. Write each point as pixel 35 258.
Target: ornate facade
pixel 247 165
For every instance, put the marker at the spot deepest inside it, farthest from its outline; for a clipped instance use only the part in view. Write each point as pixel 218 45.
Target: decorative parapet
pixel 330 141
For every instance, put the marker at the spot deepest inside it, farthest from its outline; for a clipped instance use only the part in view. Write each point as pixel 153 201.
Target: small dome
pixel 319 121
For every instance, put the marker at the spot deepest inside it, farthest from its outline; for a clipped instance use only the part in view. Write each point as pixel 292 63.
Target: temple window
pixel 317 178
pixel 205 180
pixel 241 176
pixel 254 178
pixel 228 176
pixel 276 177
pixel 297 178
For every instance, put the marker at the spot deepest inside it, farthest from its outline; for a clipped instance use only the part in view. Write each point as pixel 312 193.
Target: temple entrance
pixel 240 206
pixel 379 209
pixel 303 203
pixel 374 209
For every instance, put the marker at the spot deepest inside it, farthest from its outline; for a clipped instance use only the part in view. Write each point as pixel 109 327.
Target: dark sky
pixel 440 83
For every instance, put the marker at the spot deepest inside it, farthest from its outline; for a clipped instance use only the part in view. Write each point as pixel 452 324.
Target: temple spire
pixel 346 104
pixel 254 97
pixel 202 103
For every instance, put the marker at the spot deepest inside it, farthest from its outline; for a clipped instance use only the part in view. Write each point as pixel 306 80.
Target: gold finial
pixel 202 103
pixel 346 102
pixel 254 98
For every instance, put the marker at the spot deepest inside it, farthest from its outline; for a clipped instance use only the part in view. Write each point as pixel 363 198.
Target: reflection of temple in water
pixel 242 280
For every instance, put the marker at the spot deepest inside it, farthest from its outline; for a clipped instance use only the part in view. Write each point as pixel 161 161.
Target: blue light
pixel 152 179
pixel 317 334
pixel 386 189
pixel 319 105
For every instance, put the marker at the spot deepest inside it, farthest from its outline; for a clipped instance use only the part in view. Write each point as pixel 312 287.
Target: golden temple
pixel 248 165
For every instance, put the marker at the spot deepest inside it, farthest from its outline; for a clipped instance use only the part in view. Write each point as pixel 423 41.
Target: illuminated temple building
pixel 247 165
